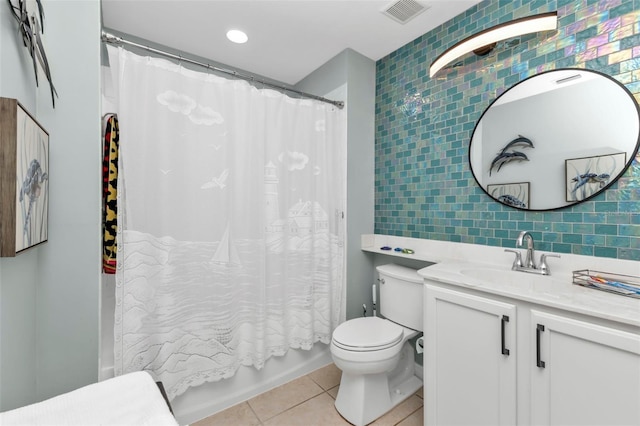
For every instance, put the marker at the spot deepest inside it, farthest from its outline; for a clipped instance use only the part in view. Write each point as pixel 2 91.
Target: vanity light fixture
pixel 483 42
pixel 237 36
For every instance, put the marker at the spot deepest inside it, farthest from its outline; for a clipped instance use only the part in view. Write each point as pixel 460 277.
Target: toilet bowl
pixel 374 354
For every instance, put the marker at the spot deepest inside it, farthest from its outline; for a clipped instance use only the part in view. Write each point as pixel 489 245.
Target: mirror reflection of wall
pixel 566 114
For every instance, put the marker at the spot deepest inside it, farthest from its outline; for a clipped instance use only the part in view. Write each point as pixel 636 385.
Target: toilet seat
pixel 367 334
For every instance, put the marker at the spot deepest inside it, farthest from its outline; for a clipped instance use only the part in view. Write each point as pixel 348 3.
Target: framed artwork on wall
pixel 588 175
pixel 512 194
pixel 24 179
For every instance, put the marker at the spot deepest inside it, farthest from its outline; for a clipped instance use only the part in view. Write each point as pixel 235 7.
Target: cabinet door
pixel 469 364
pixel 583 373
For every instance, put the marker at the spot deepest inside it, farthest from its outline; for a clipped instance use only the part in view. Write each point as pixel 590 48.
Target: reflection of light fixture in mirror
pixel 567 79
pixel 484 41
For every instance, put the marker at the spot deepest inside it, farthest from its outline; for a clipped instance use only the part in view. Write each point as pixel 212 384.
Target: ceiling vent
pixel 404 10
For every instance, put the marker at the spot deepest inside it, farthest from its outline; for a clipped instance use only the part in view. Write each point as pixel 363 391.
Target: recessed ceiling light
pixel 237 36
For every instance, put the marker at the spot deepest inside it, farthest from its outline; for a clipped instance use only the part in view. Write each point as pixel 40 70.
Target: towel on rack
pixel 109 195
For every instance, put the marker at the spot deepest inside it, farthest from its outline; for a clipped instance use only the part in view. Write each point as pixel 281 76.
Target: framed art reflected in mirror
pixel 586 176
pixel 511 194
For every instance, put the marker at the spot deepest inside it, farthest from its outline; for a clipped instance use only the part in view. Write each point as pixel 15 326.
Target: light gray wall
pixel 49 294
pixel 70 266
pixel 18 282
pixel 18 276
pixel 358 73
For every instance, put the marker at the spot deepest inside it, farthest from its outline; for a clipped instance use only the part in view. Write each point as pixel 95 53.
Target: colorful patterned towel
pixel 109 195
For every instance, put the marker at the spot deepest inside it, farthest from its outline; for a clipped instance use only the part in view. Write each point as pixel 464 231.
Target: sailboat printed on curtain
pixel 226 253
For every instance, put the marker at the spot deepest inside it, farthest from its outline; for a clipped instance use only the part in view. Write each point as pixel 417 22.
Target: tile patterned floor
pixel 308 401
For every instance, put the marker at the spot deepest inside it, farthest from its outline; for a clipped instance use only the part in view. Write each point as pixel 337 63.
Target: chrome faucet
pixel 529 261
pixel 529 264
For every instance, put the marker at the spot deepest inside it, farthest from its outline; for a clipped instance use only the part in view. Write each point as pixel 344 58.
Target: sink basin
pixel 501 277
pixel 491 275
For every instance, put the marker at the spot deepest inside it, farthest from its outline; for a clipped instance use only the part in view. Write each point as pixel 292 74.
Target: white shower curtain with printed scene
pixel 230 229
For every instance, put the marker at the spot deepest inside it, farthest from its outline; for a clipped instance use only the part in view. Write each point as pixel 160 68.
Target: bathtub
pixel 209 398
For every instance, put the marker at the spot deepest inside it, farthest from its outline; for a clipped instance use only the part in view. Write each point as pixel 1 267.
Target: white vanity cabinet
pixel 470 367
pixel 562 368
pixel 585 373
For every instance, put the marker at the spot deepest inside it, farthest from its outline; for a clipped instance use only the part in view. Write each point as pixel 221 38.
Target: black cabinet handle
pixel 503 322
pixel 539 330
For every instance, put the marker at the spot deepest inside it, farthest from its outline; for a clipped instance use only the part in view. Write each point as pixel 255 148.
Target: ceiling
pixel 288 39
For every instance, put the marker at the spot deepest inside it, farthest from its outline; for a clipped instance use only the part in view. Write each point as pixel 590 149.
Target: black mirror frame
pixel 607 186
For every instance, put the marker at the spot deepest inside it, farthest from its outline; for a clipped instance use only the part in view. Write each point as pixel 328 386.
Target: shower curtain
pixel 230 222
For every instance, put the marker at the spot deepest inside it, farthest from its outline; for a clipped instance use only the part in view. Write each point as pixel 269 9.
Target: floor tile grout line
pixel 294 406
pixel 254 412
pixel 409 415
pixel 290 408
pixel 316 382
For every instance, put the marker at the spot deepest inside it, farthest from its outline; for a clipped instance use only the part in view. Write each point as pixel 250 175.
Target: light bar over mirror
pixel 482 43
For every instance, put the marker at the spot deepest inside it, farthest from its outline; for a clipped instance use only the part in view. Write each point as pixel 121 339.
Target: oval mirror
pixel 555 139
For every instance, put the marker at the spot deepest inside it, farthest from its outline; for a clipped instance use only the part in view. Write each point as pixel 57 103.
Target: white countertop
pixel 488 269
pixel 538 289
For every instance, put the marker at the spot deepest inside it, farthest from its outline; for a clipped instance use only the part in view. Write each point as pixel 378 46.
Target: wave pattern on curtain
pixel 230 230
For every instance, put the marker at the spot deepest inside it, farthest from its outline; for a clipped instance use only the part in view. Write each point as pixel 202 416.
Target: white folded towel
pixel 131 399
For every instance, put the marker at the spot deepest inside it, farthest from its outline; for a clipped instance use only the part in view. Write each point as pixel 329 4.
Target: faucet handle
pixel 517 263
pixel 544 268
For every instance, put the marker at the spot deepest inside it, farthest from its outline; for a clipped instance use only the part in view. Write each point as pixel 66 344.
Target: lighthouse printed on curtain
pixel 303 220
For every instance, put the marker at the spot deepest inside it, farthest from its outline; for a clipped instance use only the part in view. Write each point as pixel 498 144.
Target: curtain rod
pixel 112 39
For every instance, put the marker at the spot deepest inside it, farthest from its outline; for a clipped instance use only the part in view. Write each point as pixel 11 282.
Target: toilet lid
pixel 367 333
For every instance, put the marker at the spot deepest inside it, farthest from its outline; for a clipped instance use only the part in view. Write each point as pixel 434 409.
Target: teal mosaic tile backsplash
pixel 424 187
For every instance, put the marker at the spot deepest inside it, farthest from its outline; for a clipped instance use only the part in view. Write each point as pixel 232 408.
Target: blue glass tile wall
pixel 424 187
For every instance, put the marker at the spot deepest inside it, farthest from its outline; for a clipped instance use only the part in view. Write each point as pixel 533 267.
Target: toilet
pixel 374 353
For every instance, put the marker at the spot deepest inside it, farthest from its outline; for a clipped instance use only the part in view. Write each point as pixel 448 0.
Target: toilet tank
pixel 401 295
